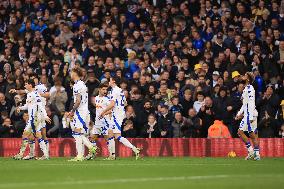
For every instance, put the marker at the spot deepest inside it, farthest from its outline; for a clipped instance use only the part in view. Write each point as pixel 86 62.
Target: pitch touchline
pixel 122 180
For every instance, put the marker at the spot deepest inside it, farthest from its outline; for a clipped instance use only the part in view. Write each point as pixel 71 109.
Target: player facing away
pixel 81 115
pixel 44 94
pixel 117 105
pixel 37 115
pixel 249 120
pixel 100 126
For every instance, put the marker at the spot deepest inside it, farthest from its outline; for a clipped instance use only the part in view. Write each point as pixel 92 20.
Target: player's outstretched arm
pixel 108 109
pixel 20 92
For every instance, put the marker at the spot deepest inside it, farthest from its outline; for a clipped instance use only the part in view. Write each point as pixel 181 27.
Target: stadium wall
pixel 156 147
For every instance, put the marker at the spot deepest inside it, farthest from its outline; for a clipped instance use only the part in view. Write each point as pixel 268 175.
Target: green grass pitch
pixel 151 173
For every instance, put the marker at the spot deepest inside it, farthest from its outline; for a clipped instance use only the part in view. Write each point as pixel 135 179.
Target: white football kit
pixel 81 115
pixel 249 121
pixel 101 125
pixel 41 89
pixel 36 111
pixel 118 112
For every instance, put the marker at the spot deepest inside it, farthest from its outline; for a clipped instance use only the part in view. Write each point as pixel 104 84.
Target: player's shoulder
pixel 250 87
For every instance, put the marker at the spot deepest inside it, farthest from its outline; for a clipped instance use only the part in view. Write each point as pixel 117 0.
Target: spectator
pixel 20 125
pixel 164 122
pixel 53 127
pixel 151 130
pixel 5 105
pixel 7 130
pixel 207 116
pixel 128 130
pixel 186 101
pixel 175 106
pixel 58 98
pixel 223 107
pixel 268 103
pixel 180 125
pixel 194 130
pixel 199 102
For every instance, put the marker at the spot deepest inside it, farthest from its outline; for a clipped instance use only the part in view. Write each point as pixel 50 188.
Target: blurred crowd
pixel 180 62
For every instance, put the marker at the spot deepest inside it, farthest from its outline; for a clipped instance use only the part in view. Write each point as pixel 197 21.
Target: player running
pixel 117 103
pixel 81 115
pixel 249 120
pixel 37 115
pixel 44 94
pixel 101 126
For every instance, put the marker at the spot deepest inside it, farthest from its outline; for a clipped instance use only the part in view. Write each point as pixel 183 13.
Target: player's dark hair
pixel 102 85
pixel 31 82
pixel 78 71
pixel 116 80
pixel 250 77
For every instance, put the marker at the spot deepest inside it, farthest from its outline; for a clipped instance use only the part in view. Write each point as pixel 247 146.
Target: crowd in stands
pixel 180 62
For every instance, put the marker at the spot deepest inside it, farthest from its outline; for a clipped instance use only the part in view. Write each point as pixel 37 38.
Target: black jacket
pixel 164 124
pixel 155 134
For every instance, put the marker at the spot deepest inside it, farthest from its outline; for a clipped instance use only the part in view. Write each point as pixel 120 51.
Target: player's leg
pixel 117 134
pixel 254 137
pixel 243 127
pixel 43 132
pixel 79 144
pixel 25 141
pixel 42 145
pixel 85 125
pixel 110 144
pixel 93 138
pixel 32 148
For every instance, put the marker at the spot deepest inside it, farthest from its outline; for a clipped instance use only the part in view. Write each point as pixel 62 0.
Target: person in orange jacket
pixel 218 130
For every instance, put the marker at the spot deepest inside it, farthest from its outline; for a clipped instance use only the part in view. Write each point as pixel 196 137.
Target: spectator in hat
pixel 233 84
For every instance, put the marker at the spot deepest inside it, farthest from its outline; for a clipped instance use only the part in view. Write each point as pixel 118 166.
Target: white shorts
pixel 101 127
pixel 34 126
pixel 81 121
pixel 117 123
pixel 245 125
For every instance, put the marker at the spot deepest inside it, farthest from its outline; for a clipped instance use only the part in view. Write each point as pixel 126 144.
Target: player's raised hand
pixel 48 120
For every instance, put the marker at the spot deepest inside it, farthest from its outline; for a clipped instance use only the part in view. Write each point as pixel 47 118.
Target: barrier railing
pixel 155 147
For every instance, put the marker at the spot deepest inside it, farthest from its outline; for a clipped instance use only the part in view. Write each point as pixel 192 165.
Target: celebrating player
pixel 249 120
pixel 117 103
pixel 37 115
pixel 81 115
pixel 101 126
pixel 44 94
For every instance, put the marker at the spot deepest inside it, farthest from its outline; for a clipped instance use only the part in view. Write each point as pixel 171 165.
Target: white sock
pixel 86 142
pixel 32 148
pixel 111 146
pixel 24 145
pixel 125 142
pixel 42 146
pixel 79 144
pixel 47 146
